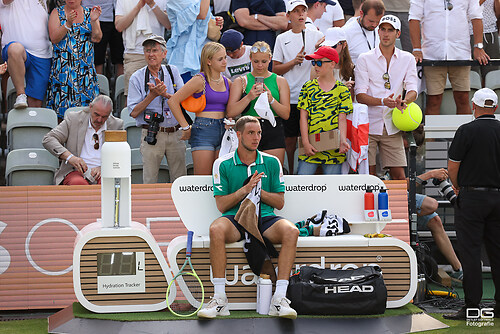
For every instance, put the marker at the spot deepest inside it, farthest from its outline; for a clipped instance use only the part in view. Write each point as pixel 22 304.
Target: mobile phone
pixel 259 80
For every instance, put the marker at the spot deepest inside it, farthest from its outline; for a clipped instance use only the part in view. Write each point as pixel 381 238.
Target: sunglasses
pixel 319 63
pixel 96 141
pixel 448 5
pixel 387 83
pixel 339 43
pixel 255 49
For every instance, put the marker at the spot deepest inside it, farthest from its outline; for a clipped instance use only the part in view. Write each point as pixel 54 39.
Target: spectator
pixel 324 104
pixel 261 19
pixel 77 142
pixel 360 33
pixel 400 8
pixel 136 22
pixel 290 64
pixel 333 17
pixel 491 10
pixel 230 172
pixel 245 92
pixel 26 49
pixel 474 169
pixel 316 8
pixel 348 8
pixel 190 22
pixel 428 218
pixel 344 70
pixel 208 127
pixel 238 61
pixel 439 31
pixel 381 75
pixel 73 82
pixel 110 37
pixel 148 96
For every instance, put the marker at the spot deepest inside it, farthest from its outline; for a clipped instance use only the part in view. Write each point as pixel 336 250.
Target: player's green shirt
pixel 229 173
pixel 323 109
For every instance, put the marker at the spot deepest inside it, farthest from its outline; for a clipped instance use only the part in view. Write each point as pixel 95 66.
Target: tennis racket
pixel 195 293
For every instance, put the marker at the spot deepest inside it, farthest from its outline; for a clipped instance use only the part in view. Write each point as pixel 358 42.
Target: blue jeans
pixel 307 168
pixel 206 134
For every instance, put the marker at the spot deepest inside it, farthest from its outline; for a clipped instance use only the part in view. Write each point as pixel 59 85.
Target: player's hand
pixel 78 164
pixel 253 182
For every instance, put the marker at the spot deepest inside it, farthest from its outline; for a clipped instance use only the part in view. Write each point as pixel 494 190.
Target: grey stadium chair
pixel 26 127
pixel 30 167
pixel 103 82
pixel 134 136
pixel 120 100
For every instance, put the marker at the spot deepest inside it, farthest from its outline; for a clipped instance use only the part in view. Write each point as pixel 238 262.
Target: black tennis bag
pixel 338 292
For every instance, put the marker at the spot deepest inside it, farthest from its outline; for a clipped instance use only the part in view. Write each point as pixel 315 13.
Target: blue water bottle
pixel 383 205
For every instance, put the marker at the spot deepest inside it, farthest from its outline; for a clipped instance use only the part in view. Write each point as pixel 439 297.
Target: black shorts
pixel 114 38
pixel 266 222
pixel 292 124
pixel 272 138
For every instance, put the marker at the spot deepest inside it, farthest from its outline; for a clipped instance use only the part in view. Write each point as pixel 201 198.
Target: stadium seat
pixel 492 81
pixel 134 135
pixel 26 127
pixel 136 166
pixel 103 84
pixel 73 109
pixel 120 100
pixel 30 167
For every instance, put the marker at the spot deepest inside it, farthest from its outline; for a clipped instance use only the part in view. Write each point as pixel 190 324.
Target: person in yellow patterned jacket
pixel 324 104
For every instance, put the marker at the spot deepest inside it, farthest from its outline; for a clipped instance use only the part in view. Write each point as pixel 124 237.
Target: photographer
pixel 149 89
pixel 426 211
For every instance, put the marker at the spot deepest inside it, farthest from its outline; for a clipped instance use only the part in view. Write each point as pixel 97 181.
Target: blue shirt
pixel 137 93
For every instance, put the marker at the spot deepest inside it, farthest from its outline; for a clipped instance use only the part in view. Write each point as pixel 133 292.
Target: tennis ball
pixel 408 119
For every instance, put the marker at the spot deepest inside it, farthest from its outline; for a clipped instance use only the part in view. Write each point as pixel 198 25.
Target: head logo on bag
pixel 348 289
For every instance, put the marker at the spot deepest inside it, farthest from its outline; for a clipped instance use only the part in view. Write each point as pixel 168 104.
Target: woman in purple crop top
pixel 205 135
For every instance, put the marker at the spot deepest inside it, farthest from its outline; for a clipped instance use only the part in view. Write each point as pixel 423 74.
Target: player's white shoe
pixel 280 307
pixel 216 307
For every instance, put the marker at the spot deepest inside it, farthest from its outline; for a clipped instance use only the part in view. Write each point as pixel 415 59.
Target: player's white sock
pixel 219 286
pixel 281 287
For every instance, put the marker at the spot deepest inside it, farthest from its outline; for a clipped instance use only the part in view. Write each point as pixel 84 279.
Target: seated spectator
pixel 261 19
pixel 110 37
pixel 151 95
pixel 73 81
pixel 208 127
pixel 245 92
pixel 77 142
pixel 26 49
pixel 324 104
pixel 136 20
pixel 344 70
pixel 238 61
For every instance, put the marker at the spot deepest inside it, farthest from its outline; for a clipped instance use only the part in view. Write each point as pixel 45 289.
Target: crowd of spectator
pixel 274 63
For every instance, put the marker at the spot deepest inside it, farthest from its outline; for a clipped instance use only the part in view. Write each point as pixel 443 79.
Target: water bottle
pixel 264 294
pixel 370 213
pixel 383 205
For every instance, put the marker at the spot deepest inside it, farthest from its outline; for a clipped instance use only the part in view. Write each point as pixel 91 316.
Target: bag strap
pixel 315 278
pixel 169 69
pixel 204 82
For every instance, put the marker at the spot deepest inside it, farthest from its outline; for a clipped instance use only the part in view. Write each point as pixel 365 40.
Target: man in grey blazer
pixel 77 141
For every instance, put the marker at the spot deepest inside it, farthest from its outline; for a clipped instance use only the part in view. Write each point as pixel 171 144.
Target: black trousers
pixel 477 220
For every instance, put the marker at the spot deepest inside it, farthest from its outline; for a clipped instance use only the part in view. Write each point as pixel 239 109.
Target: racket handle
pixel 189 243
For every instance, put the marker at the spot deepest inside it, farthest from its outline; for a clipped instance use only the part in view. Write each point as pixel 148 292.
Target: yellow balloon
pixel 408 119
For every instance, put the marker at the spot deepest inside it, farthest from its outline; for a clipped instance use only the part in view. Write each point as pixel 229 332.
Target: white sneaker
pixel 216 307
pixel 21 101
pixel 280 307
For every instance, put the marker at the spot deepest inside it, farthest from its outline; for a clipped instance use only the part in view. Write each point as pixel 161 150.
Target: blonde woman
pixel 246 90
pixel 208 128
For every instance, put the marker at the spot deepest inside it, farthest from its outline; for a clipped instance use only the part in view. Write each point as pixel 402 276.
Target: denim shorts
pixel 206 134
pixel 422 220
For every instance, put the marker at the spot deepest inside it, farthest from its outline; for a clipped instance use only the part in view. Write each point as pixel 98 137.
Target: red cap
pixel 325 52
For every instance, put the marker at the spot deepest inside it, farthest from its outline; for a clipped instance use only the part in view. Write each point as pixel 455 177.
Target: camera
pixel 153 118
pixel 446 189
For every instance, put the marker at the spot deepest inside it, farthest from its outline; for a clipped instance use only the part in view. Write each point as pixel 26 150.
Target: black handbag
pixel 338 292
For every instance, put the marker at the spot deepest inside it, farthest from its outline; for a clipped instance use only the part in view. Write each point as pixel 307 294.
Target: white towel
pixel 263 109
pixel 229 142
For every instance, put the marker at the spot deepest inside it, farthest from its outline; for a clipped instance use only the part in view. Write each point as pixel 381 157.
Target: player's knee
pixel 291 233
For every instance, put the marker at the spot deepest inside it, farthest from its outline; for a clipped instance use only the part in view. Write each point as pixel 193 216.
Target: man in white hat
pixel 381 76
pixel 474 170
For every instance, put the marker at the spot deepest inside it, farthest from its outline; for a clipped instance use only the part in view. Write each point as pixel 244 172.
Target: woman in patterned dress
pixel 73 82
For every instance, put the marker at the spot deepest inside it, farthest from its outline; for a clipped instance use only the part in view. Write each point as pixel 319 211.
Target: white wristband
pixel 69 157
pixel 156 5
pixel 272 101
pixel 382 101
pixel 185 128
pixel 417 49
pixel 65 25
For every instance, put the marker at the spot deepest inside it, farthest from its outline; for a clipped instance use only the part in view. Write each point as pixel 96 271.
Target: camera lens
pixel 446 189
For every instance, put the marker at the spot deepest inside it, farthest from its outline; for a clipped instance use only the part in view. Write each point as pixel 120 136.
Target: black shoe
pixel 497 312
pixel 460 315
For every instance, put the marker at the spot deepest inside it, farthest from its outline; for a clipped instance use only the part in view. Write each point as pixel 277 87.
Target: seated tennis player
pixel 229 175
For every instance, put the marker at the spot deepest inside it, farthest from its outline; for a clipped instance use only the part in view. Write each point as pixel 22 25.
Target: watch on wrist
pixel 185 128
pixel 480 46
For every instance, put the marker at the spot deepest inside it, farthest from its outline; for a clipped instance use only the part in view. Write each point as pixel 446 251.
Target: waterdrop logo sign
pixel 385 214
pixel 371 214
